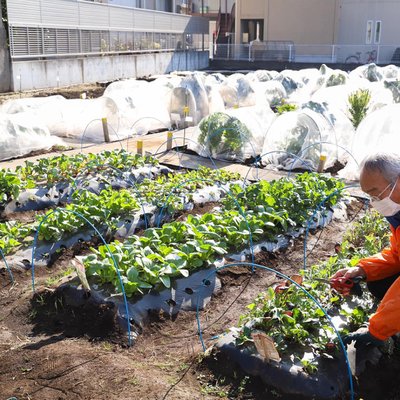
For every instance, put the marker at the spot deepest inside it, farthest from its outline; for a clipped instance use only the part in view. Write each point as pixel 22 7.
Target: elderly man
pixel 380 179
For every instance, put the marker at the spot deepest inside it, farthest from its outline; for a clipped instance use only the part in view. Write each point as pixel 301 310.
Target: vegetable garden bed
pixel 166 265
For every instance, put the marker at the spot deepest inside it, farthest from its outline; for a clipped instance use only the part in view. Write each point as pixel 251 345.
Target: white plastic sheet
pixel 141 106
pixel 379 131
pixel 77 118
pixel 82 120
pixel 338 96
pixel 134 107
pixel 20 135
pixel 237 91
pixel 29 104
pixel 272 91
pixel 189 101
pixel 297 139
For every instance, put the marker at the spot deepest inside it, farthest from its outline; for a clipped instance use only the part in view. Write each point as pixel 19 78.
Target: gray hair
pixel 388 164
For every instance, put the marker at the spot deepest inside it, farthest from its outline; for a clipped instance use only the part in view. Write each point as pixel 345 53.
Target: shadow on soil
pixel 54 314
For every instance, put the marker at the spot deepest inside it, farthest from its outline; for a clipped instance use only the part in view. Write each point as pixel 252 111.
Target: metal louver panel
pixel 49 41
pixel 85 40
pixel 95 41
pixel 163 22
pixel 74 41
pixel 19 41
pixel 105 41
pixel 180 23
pixel 35 40
pixel 129 41
pixel 62 41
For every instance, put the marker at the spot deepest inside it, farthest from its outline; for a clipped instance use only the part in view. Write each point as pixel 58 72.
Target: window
pixel 378 29
pixel 368 38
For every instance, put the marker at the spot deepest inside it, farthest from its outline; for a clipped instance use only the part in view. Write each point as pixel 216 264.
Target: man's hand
pixel 349 273
pixel 362 338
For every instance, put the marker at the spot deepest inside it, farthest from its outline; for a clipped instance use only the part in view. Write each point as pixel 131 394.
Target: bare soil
pixel 69 92
pixel 51 351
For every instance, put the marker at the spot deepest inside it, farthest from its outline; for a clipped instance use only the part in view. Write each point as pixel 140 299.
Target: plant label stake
pixel 169 140
pixel 105 130
pixel 265 346
pixel 139 147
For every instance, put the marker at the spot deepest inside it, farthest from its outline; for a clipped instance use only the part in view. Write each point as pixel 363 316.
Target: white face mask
pixel 387 207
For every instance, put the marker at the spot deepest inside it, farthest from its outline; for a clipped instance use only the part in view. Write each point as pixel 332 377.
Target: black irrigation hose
pixel 315 244
pixel 229 306
pixel 213 322
pixel 196 334
pixel 351 220
pixel 364 204
pixel 172 387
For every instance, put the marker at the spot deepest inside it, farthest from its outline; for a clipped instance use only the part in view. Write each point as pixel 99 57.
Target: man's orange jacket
pixel 386 321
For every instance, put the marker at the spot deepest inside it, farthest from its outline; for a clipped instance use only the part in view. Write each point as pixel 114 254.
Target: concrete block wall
pixel 39 74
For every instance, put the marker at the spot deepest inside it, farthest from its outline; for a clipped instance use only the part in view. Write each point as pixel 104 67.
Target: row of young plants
pixel 156 191
pixel 178 248
pixel 171 191
pixel 107 208
pixel 103 210
pixel 294 322
pixel 65 168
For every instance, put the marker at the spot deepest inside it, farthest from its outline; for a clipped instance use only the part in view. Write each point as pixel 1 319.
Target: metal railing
pixel 290 52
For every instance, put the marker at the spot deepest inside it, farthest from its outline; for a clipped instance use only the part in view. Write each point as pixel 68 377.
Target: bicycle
pixel 356 58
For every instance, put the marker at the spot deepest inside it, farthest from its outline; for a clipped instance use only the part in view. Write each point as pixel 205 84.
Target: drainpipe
pixel 226 13
pixel 202 35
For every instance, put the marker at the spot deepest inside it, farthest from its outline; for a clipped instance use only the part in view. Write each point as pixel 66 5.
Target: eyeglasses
pixel 378 197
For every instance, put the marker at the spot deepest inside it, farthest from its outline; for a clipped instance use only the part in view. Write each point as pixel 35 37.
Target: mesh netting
pixel 297 139
pixel 142 106
pixel 379 131
pixel 21 135
pixel 237 91
pixel 236 135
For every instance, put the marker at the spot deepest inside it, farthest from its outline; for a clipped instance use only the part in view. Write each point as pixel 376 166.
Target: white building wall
pixel 353 19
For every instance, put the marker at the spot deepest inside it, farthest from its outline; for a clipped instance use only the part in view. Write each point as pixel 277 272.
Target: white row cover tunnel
pixel 233 114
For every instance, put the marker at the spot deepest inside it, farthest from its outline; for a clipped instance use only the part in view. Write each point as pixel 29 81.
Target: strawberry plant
pixel 291 202
pixel 293 320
